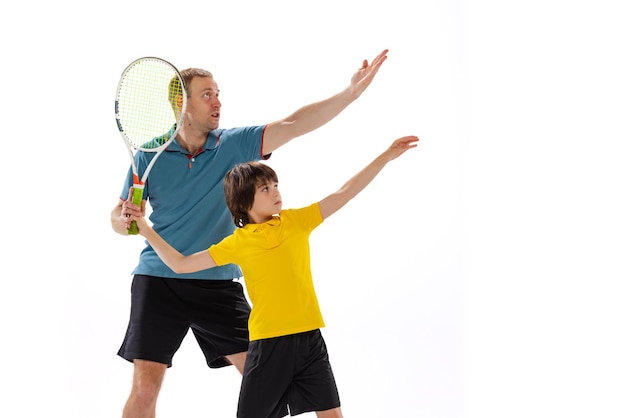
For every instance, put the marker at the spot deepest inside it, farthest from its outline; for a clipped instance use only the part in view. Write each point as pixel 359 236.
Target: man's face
pixel 203 104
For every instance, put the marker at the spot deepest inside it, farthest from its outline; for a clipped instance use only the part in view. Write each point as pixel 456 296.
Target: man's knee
pixel 148 377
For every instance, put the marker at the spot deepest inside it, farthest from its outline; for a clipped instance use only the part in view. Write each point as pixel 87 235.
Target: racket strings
pixel 144 103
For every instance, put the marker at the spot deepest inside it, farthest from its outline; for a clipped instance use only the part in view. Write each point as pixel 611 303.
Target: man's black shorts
pixel 289 374
pixel 163 310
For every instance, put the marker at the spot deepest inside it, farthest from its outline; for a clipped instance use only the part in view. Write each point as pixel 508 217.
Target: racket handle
pixel 136 199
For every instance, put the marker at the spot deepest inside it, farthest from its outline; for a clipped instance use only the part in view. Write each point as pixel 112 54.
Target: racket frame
pixel 138 183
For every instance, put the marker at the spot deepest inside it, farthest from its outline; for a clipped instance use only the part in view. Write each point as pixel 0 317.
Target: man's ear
pixel 179 101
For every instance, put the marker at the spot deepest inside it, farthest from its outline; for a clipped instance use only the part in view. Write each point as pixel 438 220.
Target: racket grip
pixel 136 199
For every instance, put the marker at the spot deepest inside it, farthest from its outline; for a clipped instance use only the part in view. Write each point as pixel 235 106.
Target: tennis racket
pixel 149 108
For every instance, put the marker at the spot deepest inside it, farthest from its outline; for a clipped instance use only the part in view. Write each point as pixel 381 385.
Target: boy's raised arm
pixel 356 184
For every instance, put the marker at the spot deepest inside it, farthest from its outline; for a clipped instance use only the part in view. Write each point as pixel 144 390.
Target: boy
pixel 287 368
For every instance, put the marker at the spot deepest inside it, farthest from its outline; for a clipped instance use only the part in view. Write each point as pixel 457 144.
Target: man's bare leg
pixel 238 360
pixel 330 413
pixel 147 379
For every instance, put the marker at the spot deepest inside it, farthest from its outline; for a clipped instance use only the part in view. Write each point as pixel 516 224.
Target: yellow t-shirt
pixel 275 260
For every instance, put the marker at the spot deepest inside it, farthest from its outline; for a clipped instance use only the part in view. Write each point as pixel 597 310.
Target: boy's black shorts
pixel 289 374
pixel 163 310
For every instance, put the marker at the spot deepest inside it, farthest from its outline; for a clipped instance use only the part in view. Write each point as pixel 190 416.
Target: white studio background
pixel 480 275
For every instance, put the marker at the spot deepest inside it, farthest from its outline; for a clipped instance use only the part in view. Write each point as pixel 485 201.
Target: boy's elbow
pixel 179 268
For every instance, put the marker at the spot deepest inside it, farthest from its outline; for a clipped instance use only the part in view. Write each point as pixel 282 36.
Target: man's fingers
pixel 381 57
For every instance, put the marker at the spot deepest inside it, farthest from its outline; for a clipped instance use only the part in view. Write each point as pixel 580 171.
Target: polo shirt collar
pixel 267 225
pixel 212 141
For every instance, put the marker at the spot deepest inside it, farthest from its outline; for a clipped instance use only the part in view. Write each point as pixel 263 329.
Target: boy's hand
pixel 131 212
pixel 400 145
pixel 130 209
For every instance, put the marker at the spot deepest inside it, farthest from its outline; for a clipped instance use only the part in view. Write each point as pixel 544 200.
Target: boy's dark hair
pixel 240 186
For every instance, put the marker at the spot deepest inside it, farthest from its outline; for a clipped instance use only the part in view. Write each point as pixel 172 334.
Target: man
pixel 185 191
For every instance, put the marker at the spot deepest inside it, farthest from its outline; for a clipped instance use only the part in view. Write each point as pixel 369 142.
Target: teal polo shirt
pixel 186 194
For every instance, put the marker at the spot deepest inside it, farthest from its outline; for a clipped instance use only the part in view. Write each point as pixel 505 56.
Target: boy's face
pixel 267 202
